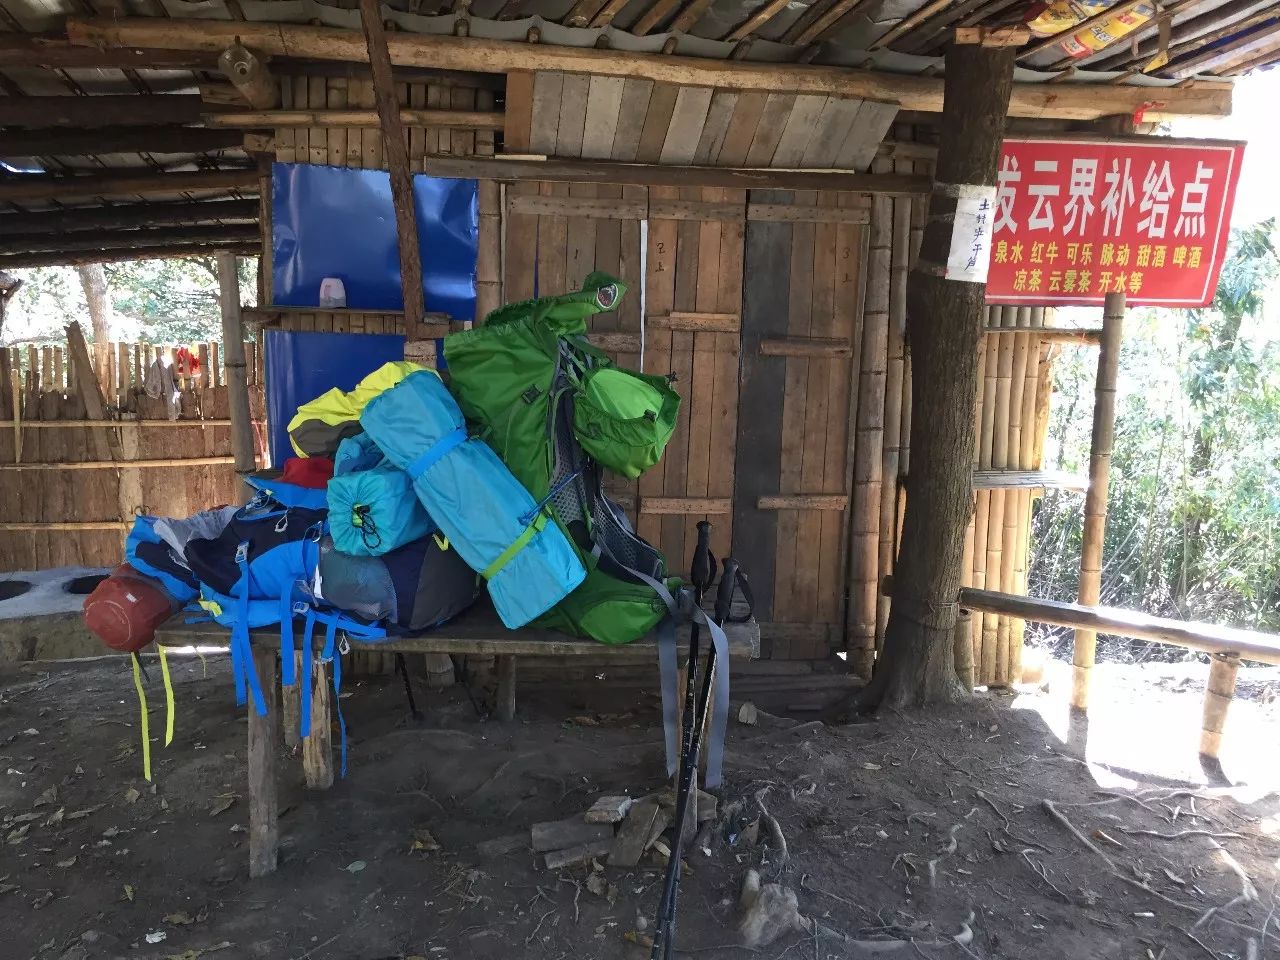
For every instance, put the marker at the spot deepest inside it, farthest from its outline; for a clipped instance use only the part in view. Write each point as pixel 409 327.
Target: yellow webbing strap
pixel 146 725
pixel 516 546
pixel 168 696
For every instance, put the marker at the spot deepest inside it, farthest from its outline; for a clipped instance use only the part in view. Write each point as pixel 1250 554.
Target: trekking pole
pixel 665 929
pixel 701 573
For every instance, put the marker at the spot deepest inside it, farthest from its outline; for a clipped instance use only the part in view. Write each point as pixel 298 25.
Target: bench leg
pixel 317 749
pixel 291 706
pixel 505 707
pixel 1218 694
pixel 264 830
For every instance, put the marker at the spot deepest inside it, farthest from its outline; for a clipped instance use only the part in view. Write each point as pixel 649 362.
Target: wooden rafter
pixel 128 239
pixel 1225 21
pixel 101 111
pixel 1240 50
pixel 908 24
pixel 46 187
pixel 757 20
pixel 806 19
pixel 55 52
pixel 16 261
pixel 1062 101
pixel 1165 15
pixel 457 119
pixel 826 24
pixel 128 216
pixel 654 16
pixel 80 143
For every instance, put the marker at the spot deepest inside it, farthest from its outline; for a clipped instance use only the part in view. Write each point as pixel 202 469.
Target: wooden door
pixel 693 304
pixel 801 340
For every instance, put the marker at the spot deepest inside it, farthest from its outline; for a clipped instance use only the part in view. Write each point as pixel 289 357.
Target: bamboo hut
pixel 763 178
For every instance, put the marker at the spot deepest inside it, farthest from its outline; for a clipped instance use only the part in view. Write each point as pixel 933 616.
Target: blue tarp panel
pixel 339 222
pixel 301 366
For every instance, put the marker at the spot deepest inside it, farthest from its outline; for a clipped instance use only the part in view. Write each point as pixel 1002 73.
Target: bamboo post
pixel 1095 504
pixel 233 362
pixel 868 463
pixel 1218 693
pixel 963 645
pixel 900 252
pixel 264 808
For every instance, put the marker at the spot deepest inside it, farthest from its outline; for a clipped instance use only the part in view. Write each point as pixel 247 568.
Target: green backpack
pixel 557 411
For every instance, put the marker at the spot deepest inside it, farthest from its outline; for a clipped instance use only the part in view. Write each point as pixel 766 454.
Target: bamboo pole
pixel 1095 504
pixel 233 361
pixel 1193 635
pixel 900 251
pixel 868 465
pixel 1218 694
pixel 1014 499
pixel 963 648
pixel 995 522
pixel 157 463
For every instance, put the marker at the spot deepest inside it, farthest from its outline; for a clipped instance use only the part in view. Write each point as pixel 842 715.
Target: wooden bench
pixel 477 632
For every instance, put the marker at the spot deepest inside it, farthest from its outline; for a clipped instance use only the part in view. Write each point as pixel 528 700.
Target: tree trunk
pixel 97 295
pixel 944 328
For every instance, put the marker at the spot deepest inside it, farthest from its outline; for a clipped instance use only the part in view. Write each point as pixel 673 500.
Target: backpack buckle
pixel 242 552
pixel 530 395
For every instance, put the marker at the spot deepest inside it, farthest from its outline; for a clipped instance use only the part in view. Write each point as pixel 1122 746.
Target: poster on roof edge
pixel 1076 219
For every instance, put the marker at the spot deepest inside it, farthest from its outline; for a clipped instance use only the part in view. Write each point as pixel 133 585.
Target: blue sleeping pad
pixel 490 519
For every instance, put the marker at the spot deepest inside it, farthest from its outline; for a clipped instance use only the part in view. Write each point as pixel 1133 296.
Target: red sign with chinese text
pixel 1078 219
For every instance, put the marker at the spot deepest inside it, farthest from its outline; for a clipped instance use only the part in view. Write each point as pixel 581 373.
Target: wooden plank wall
pixel 801 343
pixel 100 503
pixel 636 120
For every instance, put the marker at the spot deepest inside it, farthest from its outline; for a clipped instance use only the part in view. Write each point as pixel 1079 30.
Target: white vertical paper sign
pixel 970 254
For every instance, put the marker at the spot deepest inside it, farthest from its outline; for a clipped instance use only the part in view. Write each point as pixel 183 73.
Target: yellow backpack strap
pixel 168 695
pixel 146 725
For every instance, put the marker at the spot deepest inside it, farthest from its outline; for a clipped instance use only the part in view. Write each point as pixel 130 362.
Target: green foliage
pixel 1193 526
pixel 159 301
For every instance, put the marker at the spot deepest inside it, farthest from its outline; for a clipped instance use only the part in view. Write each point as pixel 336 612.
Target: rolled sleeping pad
pixel 124 610
pixel 490 519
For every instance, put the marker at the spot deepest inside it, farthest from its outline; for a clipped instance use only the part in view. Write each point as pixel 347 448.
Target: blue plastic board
pixel 301 366
pixel 339 222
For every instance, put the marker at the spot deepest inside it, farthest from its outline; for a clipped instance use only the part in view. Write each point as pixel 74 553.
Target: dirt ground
pixel 909 831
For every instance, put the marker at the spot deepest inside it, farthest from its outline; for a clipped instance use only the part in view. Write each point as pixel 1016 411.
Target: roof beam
pixel 83 143
pixel 38 186
pixel 14 261
pixel 603 171
pixel 131 239
pixel 141 109
pixel 457 119
pixel 129 216
pixel 55 52
pixel 1063 101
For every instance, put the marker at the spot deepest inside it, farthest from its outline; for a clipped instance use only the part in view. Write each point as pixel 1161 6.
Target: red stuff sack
pixel 125 609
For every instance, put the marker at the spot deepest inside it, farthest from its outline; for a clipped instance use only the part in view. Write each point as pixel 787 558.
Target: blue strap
pixel 288 671
pixel 248 676
pixel 668 669
pixel 308 673
pixel 436 452
pixel 331 652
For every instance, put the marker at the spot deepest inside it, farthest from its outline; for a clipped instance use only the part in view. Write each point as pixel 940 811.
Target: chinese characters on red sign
pixel 1075 220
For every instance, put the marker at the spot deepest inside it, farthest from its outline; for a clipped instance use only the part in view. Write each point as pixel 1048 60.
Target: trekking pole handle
pixel 703 570
pixel 728 586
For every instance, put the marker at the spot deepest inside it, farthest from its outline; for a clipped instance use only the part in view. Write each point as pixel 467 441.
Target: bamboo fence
pixel 66 497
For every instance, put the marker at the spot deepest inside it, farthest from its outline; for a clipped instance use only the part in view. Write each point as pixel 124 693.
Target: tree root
pixel 1067 825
